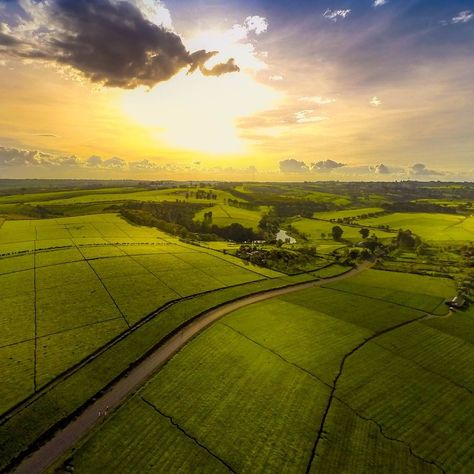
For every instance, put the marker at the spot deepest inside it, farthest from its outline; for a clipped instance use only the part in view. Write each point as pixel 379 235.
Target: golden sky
pixel 303 92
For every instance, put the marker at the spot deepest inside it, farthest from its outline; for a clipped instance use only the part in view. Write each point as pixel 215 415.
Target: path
pixel 67 437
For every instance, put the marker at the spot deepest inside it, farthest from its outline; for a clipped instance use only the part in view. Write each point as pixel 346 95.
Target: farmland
pixel 286 354
pixel 432 227
pixel 329 379
pixel 70 285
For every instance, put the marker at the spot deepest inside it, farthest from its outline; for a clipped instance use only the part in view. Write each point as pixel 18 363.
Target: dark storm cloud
pixel 112 43
pixel 221 68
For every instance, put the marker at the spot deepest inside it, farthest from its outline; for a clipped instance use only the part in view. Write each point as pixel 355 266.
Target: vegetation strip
pixel 334 386
pixel 171 420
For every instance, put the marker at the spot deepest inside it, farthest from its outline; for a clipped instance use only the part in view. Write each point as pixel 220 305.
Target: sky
pixel 237 90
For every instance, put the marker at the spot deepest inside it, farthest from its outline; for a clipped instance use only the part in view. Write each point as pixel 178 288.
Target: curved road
pixel 67 437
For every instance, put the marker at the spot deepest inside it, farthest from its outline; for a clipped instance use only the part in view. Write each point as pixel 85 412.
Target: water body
pixel 283 236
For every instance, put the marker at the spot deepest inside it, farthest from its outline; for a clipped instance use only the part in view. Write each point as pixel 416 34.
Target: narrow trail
pixel 66 438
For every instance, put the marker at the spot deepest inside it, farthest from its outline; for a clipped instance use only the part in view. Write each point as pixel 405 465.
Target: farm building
pixel 457 302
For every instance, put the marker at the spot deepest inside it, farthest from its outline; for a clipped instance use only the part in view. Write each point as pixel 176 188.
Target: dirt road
pixel 94 414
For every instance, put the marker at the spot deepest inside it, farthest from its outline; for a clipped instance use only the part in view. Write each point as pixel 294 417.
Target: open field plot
pixel 352 213
pixel 224 215
pixel 270 431
pixel 416 406
pixel 431 227
pixel 105 277
pixel 420 292
pixel 273 363
pixel 160 195
pixel 314 229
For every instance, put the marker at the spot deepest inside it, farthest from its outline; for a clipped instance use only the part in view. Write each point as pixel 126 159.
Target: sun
pixel 198 113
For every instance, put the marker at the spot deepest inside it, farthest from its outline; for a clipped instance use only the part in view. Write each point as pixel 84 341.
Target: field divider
pixel 462 387
pixel 336 380
pixel 296 366
pixel 191 437
pixel 35 309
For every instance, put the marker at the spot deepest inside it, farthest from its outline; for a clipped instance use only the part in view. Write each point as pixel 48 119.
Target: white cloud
pixel 257 24
pixel 306 116
pixel 335 15
pixel 463 17
pixel 276 77
pixel 317 100
pixel 156 12
pixel 379 3
pixel 375 101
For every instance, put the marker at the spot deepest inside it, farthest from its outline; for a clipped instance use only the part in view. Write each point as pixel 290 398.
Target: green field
pixel 351 213
pixel 430 227
pixel 70 285
pixel 224 215
pixel 253 391
pixel 313 228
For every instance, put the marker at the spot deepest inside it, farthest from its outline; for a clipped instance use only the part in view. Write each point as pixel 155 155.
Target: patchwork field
pixel 70 285
pixel 430 227
pixel 254 393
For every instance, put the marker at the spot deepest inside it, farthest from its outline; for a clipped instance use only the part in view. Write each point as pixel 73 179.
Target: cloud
pixel 420 169
pixel 257 24
pixel 293 166
pixel 109 42
pixel 276 77
pixel 317 100
pixel 379 3
pixel 381 169
pixel 110 163
pixel 375 101
pixel 335 15
pixel 221 68
pixel 47 135
pixel 16 157
pixel 306 116
pixel 326 165
pixel 463 17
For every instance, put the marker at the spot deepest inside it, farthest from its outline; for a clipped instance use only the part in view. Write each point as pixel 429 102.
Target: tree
pixel 364 232
pixel 337 233
pixel 323 235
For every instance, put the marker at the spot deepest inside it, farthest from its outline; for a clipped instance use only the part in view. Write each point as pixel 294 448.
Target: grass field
pixel 313 228
pixel 430 227
pixel 70 285
pixel 224 215
pixel 252 392
pixel 353 213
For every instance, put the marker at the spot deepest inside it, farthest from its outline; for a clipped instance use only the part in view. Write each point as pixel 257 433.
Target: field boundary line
pixel 336 379
pixel 424 311
pixel 100 280
pixel 147 318
pixel 431 371
pixel 296 366
pixel 314 376
pixel 182 430
pixel 35 304
pixel 394 440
